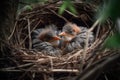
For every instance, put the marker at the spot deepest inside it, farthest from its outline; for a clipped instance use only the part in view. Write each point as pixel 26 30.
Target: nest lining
pixel 41 16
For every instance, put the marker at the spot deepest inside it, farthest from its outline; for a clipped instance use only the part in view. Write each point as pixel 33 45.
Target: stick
pixel 12 31
pixel 87 38
pixel 29 34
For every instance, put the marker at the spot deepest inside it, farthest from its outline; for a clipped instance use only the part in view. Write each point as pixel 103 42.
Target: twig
pixel 76 54
pixel 87 38
pixel 20 66
pixel 63 63
pixel 66 70
pixel 106 77
pixel 96 44
pixel 71 13
pixel 98 30
pixel 26 71
pixel 29 34
pixel 53 71
pixel 58 15
pixel 86 44
pixel 13 31
pixel 98 67
pixel 51 62
pixel 85 22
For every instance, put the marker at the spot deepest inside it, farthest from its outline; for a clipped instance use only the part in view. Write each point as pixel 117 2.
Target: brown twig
pixel 71 13
pixel 76 54
pixel 58 15
pixel 20 66
pixel 65 70
pixel 87 38
pixel 47 71
pixel 29 34
pixel 13 31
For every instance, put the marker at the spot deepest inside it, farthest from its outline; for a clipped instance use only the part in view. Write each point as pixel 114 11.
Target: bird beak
pixel 56 38
pixel 62 34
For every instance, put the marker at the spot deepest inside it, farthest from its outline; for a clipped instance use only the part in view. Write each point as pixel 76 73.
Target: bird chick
pixel 46 40
pixel 69 31
pixel 49 35
pixel 74 37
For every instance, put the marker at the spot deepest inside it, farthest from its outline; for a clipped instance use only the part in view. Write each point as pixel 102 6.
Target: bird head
pixel 69 31
pixel 49 35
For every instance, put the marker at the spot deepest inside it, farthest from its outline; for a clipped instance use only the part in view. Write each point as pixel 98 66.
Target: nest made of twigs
pixel 40 16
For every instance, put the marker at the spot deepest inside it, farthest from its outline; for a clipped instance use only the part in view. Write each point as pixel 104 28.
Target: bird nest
pixel 29 59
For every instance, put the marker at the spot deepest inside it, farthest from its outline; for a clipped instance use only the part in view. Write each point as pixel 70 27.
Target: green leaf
pixel 72 9
pixel 111 9
pixel 63 7
pixel 113 41
pixel 67 5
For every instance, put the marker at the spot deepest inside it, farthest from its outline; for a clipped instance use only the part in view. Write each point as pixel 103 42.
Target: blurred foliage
pixel 113 41
pixel 111 8
pixel 67 4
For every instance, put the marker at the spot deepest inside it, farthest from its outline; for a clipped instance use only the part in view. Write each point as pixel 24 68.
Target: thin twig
pixel 26 71
pixel 98 30
pixel 13 31
pixel 71 13
pixel 29 34
pixel 86 44
pixel 106 77
pixel 51 62
pixel 87 38
pixel 20 66
pixel 65 62
pixel 65 70
pixel 54 70
pixel 76 54
pixel 85 22
pixel 58 15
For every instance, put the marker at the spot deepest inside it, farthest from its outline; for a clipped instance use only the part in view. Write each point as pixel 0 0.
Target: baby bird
pixel 70 31
pixel 46 40
pixel 74 37
pixel 49 35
